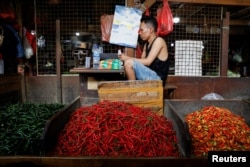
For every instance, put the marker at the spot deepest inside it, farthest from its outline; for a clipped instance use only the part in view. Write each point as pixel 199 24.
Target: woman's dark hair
pixel 150 21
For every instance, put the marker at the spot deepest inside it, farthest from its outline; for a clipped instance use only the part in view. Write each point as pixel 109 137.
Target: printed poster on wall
pixel 125 26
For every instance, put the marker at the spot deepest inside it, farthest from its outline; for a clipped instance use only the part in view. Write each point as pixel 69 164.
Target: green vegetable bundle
pixel 21 127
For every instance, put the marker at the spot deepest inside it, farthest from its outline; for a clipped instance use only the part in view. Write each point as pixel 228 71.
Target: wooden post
pixel 58 62
pixel 147 3
pixel 130 51
pixel 225 41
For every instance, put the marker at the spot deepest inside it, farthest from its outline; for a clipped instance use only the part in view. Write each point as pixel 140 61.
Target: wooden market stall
pixel 84 82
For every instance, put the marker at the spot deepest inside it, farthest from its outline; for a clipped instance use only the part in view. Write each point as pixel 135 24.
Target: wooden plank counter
pixel 91 70
pixel 89 78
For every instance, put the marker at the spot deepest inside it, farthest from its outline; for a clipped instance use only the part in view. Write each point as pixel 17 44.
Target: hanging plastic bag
pixel 31 39
pixel 1 35
pixel 165 20
pixel 41 42
pixel 138 50
pixel 147 12
pixel 7 12
pixel 27 39
pixel 28 51
pixel 106 26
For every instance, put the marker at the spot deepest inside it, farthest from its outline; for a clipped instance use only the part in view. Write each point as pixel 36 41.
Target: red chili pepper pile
pixel 216 128
pixel 116 129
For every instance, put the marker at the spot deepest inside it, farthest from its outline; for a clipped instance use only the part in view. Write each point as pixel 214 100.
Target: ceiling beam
pixel 239 23
pixel 216 2
pixel 214 22
pixel 148 3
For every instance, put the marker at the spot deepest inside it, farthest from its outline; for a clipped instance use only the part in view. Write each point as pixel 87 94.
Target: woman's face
pixel 144 31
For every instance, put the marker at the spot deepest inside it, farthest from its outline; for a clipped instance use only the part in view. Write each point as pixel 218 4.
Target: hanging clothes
pixel 15 40
pixel 11 49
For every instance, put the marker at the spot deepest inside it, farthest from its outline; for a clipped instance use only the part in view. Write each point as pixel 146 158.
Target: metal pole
pixel 58 63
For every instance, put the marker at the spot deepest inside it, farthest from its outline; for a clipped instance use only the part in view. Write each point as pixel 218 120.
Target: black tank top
pixel 159 66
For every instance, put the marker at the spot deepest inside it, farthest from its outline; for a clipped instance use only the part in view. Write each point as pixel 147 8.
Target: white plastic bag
pixel 1 64
pixel 212 96
pixel 1 35
pixel 28 51
pixel 41 42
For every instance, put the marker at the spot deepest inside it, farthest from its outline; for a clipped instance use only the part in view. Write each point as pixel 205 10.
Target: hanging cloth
pixel 19 47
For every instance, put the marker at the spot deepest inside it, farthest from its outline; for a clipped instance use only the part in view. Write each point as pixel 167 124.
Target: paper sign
pixel 125 26
pixel 92 83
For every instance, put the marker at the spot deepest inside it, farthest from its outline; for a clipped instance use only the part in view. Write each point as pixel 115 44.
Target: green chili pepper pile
pixel 22 125
pixel 116 129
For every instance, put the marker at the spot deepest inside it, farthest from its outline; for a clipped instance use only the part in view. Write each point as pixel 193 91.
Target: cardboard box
pixel 140 93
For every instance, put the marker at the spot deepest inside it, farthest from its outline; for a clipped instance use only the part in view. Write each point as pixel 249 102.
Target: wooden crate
pixel 55 124
pixel 148 94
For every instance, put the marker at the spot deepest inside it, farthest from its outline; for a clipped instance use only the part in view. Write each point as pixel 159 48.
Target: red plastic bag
pixel 165 20
pixel 106 25
pixel 31 39
pixel 138 51
pixel 7 11
pixel 147 12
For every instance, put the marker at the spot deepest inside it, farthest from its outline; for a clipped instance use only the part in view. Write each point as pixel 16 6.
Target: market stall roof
pixel 239 12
